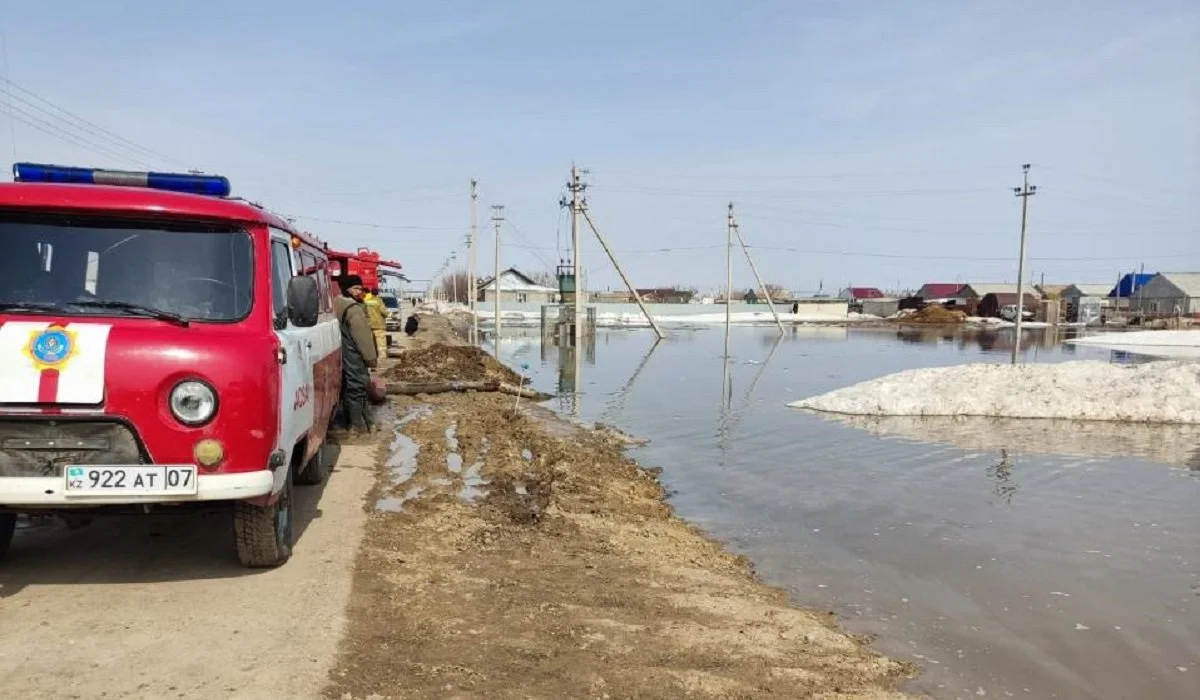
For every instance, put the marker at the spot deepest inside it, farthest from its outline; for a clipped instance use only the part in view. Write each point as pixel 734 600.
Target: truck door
pixel 296 379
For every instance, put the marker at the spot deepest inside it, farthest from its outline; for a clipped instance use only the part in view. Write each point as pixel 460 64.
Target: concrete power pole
pixel 576 186
pixel 497 217
pixel 762 287
pixel 1025 191
pixel 471 270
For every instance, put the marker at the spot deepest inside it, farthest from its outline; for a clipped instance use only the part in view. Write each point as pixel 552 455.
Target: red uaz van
pixel 161 345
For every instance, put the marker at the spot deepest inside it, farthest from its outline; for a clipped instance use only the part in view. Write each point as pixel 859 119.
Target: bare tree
pixel 777 291
pixel 456 285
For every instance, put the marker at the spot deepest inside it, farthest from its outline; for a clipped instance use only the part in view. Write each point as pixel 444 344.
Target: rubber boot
pixel 356 414
pixel 369 416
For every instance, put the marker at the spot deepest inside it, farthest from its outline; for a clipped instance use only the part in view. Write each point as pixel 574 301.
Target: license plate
pixel 140 480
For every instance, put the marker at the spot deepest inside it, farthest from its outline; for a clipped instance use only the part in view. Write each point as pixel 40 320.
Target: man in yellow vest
pixel 377 315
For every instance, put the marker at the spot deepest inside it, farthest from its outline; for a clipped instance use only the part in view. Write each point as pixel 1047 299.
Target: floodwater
pixel 1006 558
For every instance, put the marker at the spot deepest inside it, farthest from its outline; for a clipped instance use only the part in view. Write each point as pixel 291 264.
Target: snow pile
pixel 1155 392
pixel 1175 444
pixel 1172 344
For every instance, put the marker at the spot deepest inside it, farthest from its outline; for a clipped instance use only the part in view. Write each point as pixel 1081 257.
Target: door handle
pixel 308 344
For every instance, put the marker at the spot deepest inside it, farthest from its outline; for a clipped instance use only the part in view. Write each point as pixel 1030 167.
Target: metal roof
pixel 511 280
pixel 1091 290
pixel 1187 282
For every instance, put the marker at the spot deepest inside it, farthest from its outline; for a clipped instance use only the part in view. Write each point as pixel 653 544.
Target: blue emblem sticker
pixel 51 348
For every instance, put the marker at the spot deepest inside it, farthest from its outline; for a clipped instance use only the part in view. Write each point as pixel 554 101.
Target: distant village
pixel 1135 297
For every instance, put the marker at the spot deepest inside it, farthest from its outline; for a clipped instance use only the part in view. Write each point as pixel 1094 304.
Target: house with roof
pixel 666 295
pixel 1085 303
pixel 1168 294
pixel 1051 291
pixel 979 290
pixel 938 290
pixel 992 304
pixel 1129 284
pixel 860 293
pixel 517 288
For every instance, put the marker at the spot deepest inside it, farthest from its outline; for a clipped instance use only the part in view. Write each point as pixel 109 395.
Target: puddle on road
pixel 454 460
pixel 395 504
pixel 473 482
pixel 401 461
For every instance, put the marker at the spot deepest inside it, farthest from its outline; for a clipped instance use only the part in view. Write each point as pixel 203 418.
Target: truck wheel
pixel 8 525
pixel 264 533
pixel 315 471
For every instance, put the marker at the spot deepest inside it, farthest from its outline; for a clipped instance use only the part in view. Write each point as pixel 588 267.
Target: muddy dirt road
pixel 158 607
pixel 513 555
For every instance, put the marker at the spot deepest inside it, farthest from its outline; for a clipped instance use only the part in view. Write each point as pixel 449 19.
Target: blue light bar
pixel 212 185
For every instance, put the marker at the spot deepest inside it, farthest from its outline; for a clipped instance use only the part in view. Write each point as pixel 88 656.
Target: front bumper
pixel 49 491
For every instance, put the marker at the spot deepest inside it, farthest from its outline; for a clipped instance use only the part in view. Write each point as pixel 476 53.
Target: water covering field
pixel 1011 558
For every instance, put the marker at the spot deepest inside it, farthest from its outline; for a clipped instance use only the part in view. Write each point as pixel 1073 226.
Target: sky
pixel 864 143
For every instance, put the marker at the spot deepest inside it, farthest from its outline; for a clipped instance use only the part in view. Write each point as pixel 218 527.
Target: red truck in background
pixel 365 263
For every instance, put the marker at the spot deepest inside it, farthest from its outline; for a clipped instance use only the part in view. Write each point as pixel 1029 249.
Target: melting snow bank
pixel 1155 392
pixel 1168 344
pixel 1174 444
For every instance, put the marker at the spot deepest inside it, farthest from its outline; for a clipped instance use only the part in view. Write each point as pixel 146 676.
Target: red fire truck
pixel 365 263
pixel 161 346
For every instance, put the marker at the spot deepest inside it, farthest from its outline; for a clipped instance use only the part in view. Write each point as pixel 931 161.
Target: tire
pixel 263 534
pixel 8 525
pixel 316 471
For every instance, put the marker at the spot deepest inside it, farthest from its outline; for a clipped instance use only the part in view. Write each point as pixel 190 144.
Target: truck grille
pixel 44 447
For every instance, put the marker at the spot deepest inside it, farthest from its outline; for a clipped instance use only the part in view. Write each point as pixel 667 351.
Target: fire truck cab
pixel 162 346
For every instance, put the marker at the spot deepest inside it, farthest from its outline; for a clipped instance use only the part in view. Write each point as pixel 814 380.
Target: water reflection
pixel 953 540
pixel 616 403
pixel 1001 474
pixel 1171 444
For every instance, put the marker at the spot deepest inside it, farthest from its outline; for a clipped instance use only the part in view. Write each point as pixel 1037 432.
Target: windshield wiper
pixel 148 311
pixel 30 306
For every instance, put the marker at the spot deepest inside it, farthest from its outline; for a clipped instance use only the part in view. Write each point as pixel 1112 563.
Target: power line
pixel 83 124
pixel 57 132
pixel 370 224
pixel 777 194
pixel 1115 183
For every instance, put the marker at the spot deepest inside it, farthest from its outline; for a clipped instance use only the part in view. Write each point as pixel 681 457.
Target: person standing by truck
pixel 377 315
pixel 358 353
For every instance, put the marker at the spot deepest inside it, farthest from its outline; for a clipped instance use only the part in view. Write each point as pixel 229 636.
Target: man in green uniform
pixel 358 353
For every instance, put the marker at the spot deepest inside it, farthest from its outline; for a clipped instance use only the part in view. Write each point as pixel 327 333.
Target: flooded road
pixel 1007 558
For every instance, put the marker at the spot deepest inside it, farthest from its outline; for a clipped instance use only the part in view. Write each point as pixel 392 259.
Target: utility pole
pixel 497 217
pixel 471 259
pixel 754 268
pixel 624 278
pixel 576 186
pixel 1025 191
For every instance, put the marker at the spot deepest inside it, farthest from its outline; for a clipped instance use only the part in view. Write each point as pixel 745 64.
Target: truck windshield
pixel 74 265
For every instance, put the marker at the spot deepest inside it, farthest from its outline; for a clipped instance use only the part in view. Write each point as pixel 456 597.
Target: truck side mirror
pixel 303 301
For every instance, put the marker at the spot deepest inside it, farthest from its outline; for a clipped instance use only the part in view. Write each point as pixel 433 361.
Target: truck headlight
pixel 193 402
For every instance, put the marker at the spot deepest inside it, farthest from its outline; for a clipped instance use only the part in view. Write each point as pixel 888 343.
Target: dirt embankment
pixel 511 555
pixel 932 315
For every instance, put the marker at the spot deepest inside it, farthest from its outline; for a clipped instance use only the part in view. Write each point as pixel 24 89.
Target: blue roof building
pixel 1129 284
